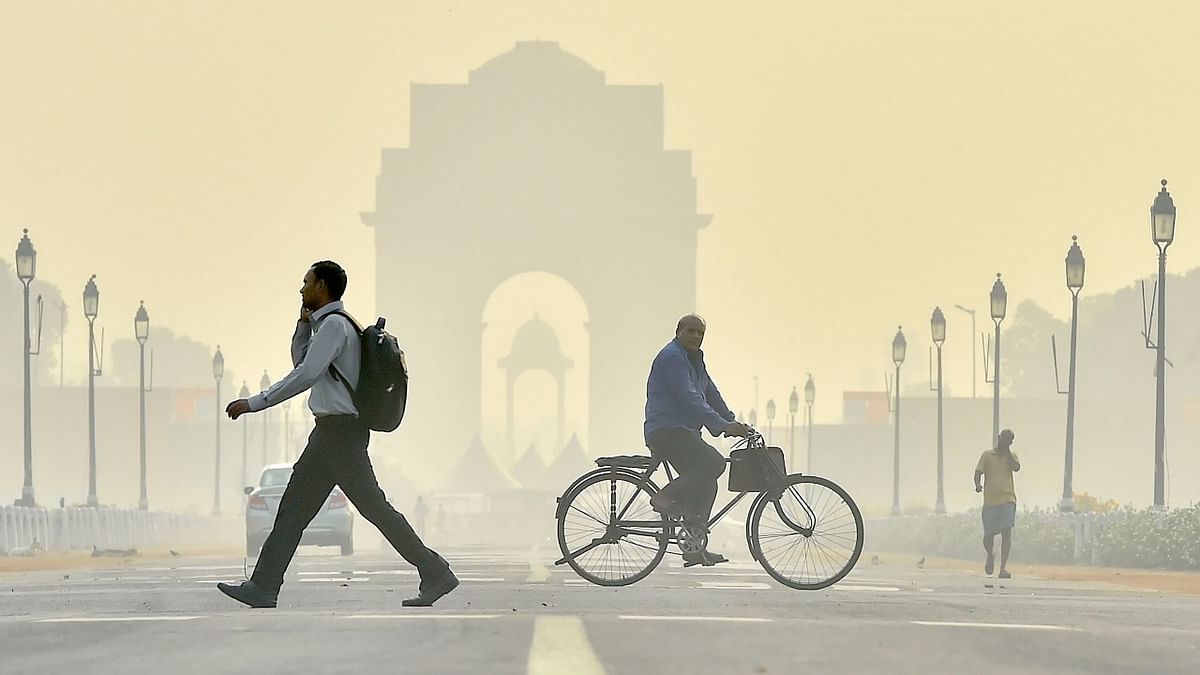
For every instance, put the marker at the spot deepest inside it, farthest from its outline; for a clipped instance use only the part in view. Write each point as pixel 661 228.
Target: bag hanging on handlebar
pixel 755 469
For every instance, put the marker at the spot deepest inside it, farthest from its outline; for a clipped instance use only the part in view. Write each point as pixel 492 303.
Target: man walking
pixel 336 454
pixel 999 500
pixel 681 398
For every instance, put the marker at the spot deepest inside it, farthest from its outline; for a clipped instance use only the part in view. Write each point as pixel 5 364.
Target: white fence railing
pixel 111 528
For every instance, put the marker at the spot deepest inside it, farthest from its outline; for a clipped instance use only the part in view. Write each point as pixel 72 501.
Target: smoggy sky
pixel 863 161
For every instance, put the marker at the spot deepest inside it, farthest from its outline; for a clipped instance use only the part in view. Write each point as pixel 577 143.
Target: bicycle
pixel 805 531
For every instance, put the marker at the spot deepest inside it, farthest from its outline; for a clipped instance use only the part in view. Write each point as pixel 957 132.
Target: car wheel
pixel 348 547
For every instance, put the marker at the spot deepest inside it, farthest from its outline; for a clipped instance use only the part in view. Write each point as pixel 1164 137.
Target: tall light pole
pixel 974 369
pixel 937 326
pixel 1162 228
pixel 141 330
pixel 218 365
pixel 245 394
pixel 26 271
pixel 1075 269
pixel 91 308
pixel 898 348
pixel 264 383
pixel 793 408
pixel 810 395
pixel 770 418
pixel 999 305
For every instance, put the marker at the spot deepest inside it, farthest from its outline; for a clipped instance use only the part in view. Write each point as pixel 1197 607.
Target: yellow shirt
pixel 997 472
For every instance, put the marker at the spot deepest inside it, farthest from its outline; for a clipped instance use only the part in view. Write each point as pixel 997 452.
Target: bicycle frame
pixel 618 528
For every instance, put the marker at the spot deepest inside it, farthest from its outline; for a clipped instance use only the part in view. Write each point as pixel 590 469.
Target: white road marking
pixel 476 579
pixel 330 579
pixel 189 568
pixel 111 619
pixel 707 573
pixel 560 645
pixel 420 615
pixel 538 572
pixel 736 619
pixel 965 624
pixel 855 587
pixel 734 586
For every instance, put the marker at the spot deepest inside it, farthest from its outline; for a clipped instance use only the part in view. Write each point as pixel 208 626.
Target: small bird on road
pixel 874 560
pixel 921 564
pixel 174 553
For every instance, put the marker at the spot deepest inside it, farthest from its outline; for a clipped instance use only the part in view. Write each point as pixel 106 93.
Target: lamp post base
pixel 1067 505
pixel 92 502
pixel 896 510
pixel 940 508
pixel 26 499
pixel 143 505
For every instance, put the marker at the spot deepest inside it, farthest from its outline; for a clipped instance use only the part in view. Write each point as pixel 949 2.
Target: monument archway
pixel 533 384
pixel 536 163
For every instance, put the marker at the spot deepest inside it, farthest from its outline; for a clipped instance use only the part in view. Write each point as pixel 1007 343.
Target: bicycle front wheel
pixel 807 535
pixel 607 531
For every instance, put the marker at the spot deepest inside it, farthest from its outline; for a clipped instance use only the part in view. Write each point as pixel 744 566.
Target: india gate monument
pixel 535 164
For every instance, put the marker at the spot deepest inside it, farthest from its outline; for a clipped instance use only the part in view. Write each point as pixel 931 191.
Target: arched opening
pixel 534 366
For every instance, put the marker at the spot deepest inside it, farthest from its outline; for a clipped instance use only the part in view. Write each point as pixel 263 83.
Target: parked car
pixel 332 526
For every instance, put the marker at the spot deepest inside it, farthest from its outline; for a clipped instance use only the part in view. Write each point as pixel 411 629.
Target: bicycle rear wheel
pixel 607 531
pixel 807 535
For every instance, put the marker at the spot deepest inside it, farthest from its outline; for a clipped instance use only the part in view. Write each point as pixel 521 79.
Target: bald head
pixel 690 332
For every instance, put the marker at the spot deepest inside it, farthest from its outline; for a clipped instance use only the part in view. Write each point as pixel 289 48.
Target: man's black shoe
pixel 248 593
pixel 432 590
pixel 706 558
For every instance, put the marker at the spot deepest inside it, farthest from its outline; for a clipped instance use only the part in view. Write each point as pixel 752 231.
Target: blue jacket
pixel 681 395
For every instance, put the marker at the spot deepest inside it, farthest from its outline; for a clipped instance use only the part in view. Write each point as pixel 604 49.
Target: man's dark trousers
pixel 336 454
pixel 699 466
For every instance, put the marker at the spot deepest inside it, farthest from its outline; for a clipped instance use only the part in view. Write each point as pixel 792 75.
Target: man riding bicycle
pixel 681 398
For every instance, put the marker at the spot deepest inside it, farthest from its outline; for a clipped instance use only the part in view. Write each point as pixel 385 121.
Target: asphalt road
pixel 516 613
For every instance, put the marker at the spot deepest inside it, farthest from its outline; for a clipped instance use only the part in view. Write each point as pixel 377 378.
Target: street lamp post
pixel 264 383
pixel 91 308
pixel 245 394
pixel 218 365
pixel 898 348
pixel 1162 228
pixel 937 326
pixel 793 408
pixel 770 418
pixel 810 395
pixel 999 306
pixel 26 271
pixel 141 330
pixel 1075 269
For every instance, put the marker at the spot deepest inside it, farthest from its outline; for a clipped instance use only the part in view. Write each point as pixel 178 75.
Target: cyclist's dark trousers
pixel 699 466
pixel 336 454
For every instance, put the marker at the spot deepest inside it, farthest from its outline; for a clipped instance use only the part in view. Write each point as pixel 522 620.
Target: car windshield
pixel 276 477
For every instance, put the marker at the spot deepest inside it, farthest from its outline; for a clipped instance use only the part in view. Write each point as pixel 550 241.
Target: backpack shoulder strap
pixel 332 369
pixel 357 328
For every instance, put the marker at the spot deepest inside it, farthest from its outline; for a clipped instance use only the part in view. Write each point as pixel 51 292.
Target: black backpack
pixel 382 390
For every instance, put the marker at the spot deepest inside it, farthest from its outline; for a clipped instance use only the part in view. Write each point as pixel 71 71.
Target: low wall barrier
pixel 106 527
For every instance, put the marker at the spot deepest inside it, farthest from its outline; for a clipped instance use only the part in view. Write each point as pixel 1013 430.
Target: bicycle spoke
pixel 830 547
pixel 606 551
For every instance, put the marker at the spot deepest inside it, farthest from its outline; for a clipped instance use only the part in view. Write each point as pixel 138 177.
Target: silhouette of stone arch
pixel 534 164
pixel 535 347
